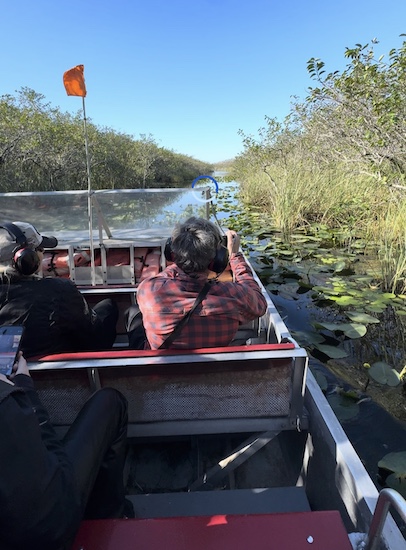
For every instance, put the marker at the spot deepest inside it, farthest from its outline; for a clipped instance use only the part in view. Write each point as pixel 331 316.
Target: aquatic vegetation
pixel 325 282
pixel 343 406
pixel 383 373
pixel 393 471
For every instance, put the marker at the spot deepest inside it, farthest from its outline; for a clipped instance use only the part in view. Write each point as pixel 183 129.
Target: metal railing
pixel 386 499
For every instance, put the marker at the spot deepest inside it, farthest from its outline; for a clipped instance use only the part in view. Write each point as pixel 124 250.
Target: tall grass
pixel 389 231
pixel 295 196
pixel 298 197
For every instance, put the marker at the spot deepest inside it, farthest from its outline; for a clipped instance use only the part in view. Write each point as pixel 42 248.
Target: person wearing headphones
pixel 49 484
pixel 196 248
pixel 55 315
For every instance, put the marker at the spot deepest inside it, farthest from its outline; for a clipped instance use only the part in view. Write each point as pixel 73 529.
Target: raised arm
pixel 251 299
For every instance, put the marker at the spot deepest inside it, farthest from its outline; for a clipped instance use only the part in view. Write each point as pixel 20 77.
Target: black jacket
pixel 39 509
pixel 55 315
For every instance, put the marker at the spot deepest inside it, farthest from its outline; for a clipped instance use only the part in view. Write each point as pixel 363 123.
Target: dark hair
pixel 194 244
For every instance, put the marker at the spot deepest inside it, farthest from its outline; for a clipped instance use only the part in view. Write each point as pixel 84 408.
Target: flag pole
pixel 89 196
pixel 74 82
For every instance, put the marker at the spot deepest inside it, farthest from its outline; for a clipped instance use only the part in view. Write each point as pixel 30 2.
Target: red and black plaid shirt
pixel 166 298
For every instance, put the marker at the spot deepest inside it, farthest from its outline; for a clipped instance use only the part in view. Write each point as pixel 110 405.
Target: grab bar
pixel 387 497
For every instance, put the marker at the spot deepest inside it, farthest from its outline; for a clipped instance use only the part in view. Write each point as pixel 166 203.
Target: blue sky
pixel 189 72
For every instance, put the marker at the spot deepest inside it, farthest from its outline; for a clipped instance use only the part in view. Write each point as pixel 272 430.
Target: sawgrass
pixel 295 196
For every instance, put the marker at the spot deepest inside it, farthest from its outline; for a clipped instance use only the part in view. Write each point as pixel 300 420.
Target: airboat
pixel 232 447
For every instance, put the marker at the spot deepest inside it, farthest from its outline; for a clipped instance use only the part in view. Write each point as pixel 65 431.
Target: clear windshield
pixel 65 213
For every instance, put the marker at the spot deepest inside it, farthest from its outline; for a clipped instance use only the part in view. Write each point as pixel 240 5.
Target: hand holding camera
pixel 233 242
pixel 20 366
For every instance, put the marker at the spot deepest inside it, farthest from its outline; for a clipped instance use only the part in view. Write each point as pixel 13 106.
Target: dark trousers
pixel 105 324
pixel 96 446
pixel 135 327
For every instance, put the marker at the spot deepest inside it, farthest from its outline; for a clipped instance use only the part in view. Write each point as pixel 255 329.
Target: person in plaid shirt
pixel 165 298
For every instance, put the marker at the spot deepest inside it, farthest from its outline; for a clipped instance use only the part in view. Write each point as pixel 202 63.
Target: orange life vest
pixel 146 261
pixel 57 263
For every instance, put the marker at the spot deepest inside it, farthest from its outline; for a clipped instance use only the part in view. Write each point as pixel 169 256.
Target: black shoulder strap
pixel 176 331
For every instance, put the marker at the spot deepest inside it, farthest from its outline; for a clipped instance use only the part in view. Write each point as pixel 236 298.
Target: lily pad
pixel 327 261
pixel 263 248
pixel 307 337
pixel 326 290
pixel 331 351
pixel 273 287
pixel 287 253
pixel 357 293
pixel 380 301
pixel 394 462
pixel 375 308
pixel 397 482
pixel 361 317
pixel 401 312
pixel 307 286
pixel 343 407
pixel 320 379
pixel 365 279
pixel 355 330
pixel 384 374
pixel 340 266
pixel 351 330
pixel 388 296
pixel 351 394
pixel 267 272
pixel 345 301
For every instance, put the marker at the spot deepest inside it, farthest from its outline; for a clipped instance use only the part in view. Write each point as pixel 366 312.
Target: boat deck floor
pixel 176 465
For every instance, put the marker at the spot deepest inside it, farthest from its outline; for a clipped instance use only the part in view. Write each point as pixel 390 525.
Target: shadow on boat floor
pixel 175 465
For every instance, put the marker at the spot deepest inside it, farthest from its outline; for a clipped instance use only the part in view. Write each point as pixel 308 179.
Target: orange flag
pixel 74 81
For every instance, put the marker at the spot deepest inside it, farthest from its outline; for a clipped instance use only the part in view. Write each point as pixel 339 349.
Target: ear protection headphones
pixel 25 260
pixel 218 263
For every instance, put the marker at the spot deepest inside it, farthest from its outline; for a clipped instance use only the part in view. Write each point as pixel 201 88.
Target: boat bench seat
pixel 182 392
pixel 236 501
pixel 299 531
